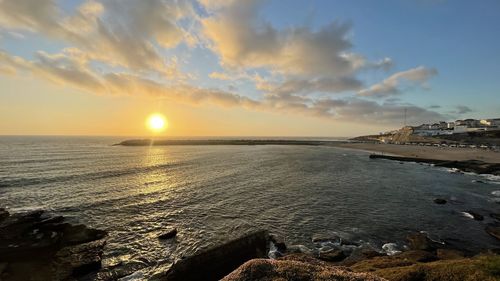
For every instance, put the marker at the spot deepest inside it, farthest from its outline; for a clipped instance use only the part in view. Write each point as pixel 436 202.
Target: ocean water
pixel 215 193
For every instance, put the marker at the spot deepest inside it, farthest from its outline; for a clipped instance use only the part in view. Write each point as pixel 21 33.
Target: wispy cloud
pixel 391 86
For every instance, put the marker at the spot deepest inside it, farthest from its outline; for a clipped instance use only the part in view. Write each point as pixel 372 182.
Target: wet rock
pixel 495 216
pixel 475 215
pixel 3 214
pixel 440 201
pixel 332 255
pixel 79 259
pixel 35 242
pixel 298 249
pixel 278 241
pixel 169 234
pixel 449 254
pixel 420 241
pixel 474 166
pixel 278 270
pixel 493 230
pixel 215 263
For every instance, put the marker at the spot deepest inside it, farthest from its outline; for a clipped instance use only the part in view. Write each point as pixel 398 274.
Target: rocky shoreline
pixel 423 260
pixel 472 166
pixel 38 246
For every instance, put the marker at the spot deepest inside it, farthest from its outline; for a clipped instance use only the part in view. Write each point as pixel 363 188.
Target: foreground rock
pixel 34 246
pixel 440 201
pixel 280 270
pixel 217 262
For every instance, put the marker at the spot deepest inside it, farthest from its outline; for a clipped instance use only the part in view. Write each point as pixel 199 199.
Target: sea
pixel 212 194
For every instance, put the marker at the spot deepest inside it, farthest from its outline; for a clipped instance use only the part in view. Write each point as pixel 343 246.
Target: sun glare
pixel 157 122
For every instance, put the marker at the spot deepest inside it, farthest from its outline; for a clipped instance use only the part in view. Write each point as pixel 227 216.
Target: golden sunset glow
pixel 157 122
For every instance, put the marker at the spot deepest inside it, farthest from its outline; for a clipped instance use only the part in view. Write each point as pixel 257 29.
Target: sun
pixel 157 122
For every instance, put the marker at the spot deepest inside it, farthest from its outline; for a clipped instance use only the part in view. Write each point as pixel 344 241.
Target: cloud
pixel 322 85
pixel 391 85
pixel 243 40
pixel 462 109
pixel 68 70
pixel 120 33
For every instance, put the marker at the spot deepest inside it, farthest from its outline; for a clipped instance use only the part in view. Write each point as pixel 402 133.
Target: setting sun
pixel 157 122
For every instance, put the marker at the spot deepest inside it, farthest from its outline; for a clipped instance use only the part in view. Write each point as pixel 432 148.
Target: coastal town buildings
pixel 457 127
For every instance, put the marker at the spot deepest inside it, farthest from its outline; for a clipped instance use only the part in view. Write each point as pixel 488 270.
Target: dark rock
pixel 217 262
pixel 474 166
pixel 333 255
pixel 31 243
pixel 495 216
pixel 279 242
pixel 440 201
pixel 298 249
pixel 475 215
pixel 420 241
pixel 51 220
pixel 493 231
pixel 279 270
pixel 3 214
pixel 79 259
pixel 171 233
pixel 79 234
pixel 367 253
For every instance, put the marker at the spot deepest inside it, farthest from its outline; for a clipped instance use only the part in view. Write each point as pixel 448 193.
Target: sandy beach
pixel 429 152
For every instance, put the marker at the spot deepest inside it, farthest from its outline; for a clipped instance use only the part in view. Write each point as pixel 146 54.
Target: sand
pixel 429 152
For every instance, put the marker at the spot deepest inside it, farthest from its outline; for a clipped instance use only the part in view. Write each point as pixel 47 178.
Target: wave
pixel 391 249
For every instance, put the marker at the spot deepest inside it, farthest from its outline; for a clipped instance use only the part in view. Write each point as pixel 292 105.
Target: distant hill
pixel 403 135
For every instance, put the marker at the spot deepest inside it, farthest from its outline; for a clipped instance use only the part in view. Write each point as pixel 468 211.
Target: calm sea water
pixel 214 193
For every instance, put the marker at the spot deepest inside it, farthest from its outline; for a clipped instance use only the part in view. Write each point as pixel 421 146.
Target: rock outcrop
pixel 217 262
pixel 34 246
pixel 474 166
pixel 279 270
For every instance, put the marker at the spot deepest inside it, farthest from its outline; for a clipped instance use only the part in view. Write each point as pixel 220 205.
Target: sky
pixel 245 68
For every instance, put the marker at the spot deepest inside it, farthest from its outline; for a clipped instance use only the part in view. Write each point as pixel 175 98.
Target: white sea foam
pixel 496 193
pixel 391 249
pixel 467 215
